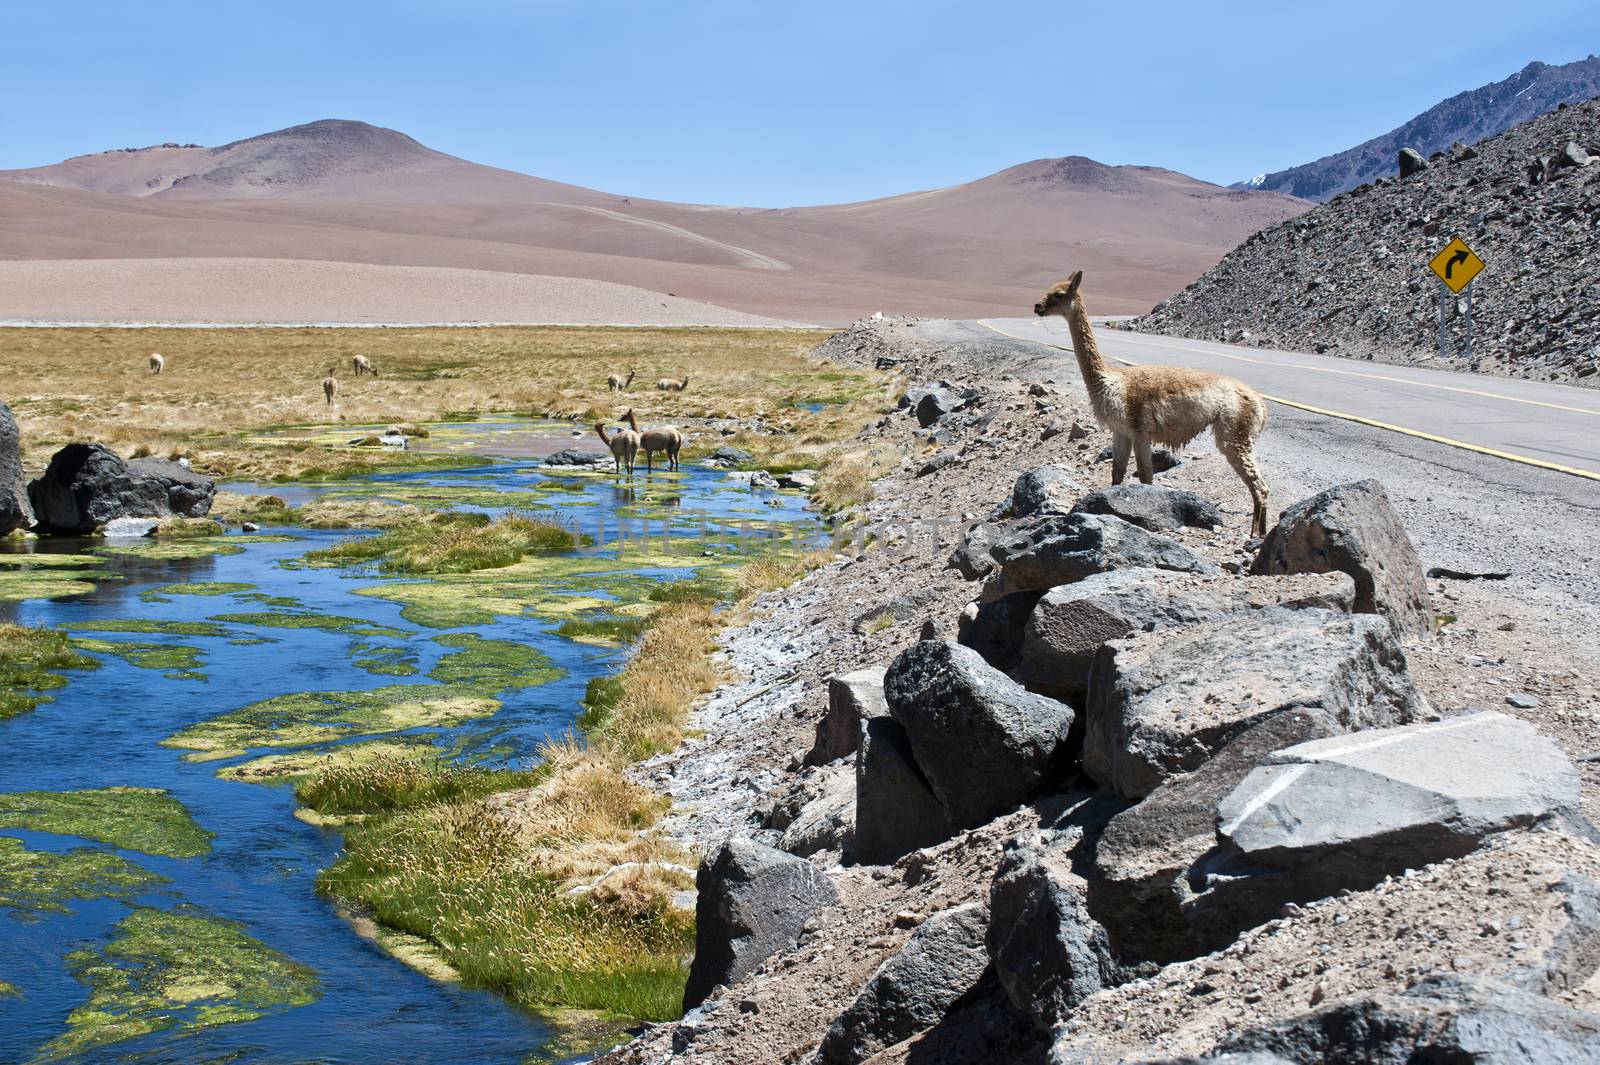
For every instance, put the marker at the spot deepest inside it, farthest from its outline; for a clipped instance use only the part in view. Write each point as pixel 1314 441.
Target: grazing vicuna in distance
pixel 617 383
pixel 668 441
pixel 360 364
pixel 667 384
pixel 624 445
pixel 1169 405
pixel 330 386
pixel 157 363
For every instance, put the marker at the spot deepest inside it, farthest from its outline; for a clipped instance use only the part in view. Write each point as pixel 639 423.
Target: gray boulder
pixel 1347 811
pixel 1049 954
pixel 87 485
pixel 1354 529
pixel 971 556
pixel 852 698
pixel 728 455
pixel 1071 623
pixel 994 629
pixel 827 822
pixel 948 457
pixel 935 404
pixel 1411 162
pixel 1163 703
pixel 577 456
pixel 752 903
pixel 1140 882
pixel 1445 1019
pixel 15 513
pixel 984 743
pixel 1044 490
pixel 896 811
pixel 1152 507
pixel 941 962
pixel 1052 550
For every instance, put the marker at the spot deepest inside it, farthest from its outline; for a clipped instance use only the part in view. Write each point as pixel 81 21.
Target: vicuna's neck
pixel 1090 362
pixel 604 439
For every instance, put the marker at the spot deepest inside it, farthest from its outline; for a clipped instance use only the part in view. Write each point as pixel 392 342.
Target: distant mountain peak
pixel 1467 117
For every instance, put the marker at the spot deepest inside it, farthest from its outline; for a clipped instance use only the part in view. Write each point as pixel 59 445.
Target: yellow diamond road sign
pixel 1456 265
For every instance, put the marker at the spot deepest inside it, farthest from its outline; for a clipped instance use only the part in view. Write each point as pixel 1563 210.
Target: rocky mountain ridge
pixel 1351 277
pixel 1464 118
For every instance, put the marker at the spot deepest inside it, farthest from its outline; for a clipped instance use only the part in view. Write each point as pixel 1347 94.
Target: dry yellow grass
pixel 220 384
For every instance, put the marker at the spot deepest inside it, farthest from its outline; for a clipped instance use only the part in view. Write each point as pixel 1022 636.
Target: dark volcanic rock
pixel 984 743
pixel 1051 550
pixel 577 456
pixel 1152 507
pixel 853 697
pixel 1048 952
pixel 1411 162
pixel 1354 529
pixel 1043 490
pixel 1163 703
pixel 943 960
pixel 753 902
pixel 87 485
pixel 896 811
pixel 15 513
pixel 1071 623
pixel 994 629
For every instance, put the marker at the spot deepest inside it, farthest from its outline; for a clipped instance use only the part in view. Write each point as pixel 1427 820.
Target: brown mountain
pixel 339 191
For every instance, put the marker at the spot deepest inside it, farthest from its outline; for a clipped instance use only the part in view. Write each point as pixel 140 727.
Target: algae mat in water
pixel 181 661
pixel 302 719
pixel 29 659
pixel 33 882
pixel 272 619
pixel 183 969
pixel 135 819
pixel 205 588
pixel 492 666
pixel 295 766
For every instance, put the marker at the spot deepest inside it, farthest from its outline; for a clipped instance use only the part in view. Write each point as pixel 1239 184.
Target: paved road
pixel 1549 425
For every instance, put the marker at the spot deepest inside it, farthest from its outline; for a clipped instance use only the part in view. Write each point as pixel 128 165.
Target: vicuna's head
pixel 1061 298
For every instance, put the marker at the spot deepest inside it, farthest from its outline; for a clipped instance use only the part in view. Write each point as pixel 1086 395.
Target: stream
pixel 228 622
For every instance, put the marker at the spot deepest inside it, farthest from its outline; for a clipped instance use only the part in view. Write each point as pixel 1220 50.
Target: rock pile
pixel 1351 277
pixel 1202 754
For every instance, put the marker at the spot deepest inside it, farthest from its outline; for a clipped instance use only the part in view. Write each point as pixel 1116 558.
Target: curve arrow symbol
pixel 1458 257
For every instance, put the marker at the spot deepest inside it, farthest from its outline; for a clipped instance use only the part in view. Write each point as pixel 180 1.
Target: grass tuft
pixel 28 659
pixel 452 543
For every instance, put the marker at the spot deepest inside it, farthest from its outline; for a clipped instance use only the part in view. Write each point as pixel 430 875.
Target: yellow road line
pixel 1418 433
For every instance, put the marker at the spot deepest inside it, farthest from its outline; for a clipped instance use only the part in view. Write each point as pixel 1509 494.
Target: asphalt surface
pixel 1465 510
pixel 1531 420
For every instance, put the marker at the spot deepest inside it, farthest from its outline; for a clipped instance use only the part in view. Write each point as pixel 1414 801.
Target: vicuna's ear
pixel 1073 282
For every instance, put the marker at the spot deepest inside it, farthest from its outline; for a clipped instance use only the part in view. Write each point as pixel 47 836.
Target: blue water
pixel 103 729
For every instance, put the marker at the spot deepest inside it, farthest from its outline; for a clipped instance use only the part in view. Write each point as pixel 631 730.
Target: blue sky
pixel 760 103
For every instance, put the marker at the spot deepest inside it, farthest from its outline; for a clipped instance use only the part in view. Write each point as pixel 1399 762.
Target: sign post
pixel 1455 265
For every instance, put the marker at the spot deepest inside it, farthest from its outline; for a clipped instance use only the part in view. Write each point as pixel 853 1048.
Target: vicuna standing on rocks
pixel 330 386
pixel 157 363
pixel 667 384
pixel 667 440
pixel 360 364
pixel 1169 405
pixel 617 383
pixel 624 445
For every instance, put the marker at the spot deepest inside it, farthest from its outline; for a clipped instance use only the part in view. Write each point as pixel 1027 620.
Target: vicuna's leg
pixel 1120 446
pixel 1243 461
pixel 1144 462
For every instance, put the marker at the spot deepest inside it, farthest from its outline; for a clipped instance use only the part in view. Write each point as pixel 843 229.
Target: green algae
pixel 196 547
pixel 44 584
pixel 302 719
pixel 306 620
pixel 550 587
pixel 492 666
pixel 135 819
pixel 181 661
pixel 9 990
pixel 36 882
pixel 288 601
pixel 183 970
pixel 49 560
pixel 205 588
pixel 29 661
pixel 605 629
pixel 382 660
pixel 149 625
pixel 295 766
pixel 443 495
